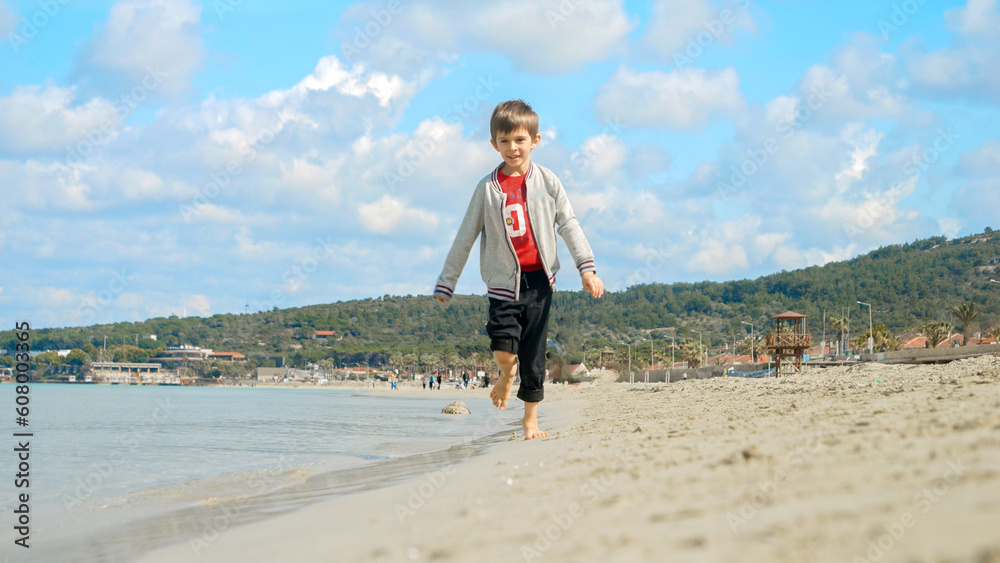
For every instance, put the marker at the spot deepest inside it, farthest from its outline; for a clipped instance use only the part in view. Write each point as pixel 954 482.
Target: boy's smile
pixel 515 147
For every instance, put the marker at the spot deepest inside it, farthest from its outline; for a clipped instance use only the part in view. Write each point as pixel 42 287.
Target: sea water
pixel 116 471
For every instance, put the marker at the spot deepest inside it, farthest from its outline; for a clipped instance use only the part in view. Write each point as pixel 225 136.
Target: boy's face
pixel 515 147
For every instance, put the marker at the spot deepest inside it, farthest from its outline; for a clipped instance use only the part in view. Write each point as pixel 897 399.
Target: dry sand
pixel 866 463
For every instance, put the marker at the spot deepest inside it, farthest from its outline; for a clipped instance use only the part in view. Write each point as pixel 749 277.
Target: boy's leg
pixel 530 422
pixel 532 345
pixel 504 331
pixel 531 353
pixel 500 393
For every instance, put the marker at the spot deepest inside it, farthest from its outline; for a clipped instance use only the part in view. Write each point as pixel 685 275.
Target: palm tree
pixel 692 352
pixel 994 332
pixel 965 313
pixel 757 346
pixel 860 342
pixel 883 341
pixel 839 323
pixel 935 333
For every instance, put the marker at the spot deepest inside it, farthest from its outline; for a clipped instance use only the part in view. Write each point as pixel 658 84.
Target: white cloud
pixel 54 297
pixel 197 303
pixel 143 35
pixel 682 29
pixel 544 37
pixel 684 100
pixel 603 154
pixel 978 197
pixel 88 186
pixel 390 214
pixel 865 146
pixel 331 74
pixel 976 18
pixel 247 249
pixel 861 82
pixel 968 67
pixel 35 119
pixel 732 246
pixel 8 20
pixel 982 162
pixel 553 37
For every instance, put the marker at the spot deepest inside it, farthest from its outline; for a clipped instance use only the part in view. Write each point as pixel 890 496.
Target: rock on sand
pixel 458 407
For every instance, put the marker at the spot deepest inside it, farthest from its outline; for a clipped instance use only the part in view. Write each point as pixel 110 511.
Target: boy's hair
pixel 512 114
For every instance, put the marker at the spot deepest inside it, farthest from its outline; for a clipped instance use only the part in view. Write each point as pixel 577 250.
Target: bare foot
pixel 531 429
pixel 501 391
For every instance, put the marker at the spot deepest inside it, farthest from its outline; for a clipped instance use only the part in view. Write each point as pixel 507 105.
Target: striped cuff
pixel 586 266
pixel 443 291
pixel 501 293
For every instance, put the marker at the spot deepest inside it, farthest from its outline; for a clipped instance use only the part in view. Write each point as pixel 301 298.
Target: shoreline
pixel 563 413
pixel 143 523
pixel 888 463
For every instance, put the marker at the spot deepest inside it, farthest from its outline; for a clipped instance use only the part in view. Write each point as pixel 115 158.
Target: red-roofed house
pixel 921 341
pixel 324 334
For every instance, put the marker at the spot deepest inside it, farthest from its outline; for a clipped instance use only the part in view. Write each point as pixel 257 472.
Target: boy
pixel 518 208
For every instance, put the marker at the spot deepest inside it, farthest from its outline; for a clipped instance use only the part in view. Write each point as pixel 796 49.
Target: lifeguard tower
pixel 789 341
pixel 607 356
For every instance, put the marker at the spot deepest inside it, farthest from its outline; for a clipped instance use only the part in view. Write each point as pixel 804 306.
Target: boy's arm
pixel 569 229
pixel 468 232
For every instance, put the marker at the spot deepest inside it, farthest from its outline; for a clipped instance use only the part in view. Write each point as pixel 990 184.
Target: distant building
pixel 125 373
pixel 921 341
pixel 279 374
pixel 183 353
pixel 324 334
pixel 229 356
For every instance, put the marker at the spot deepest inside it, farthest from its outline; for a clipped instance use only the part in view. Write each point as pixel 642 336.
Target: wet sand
pixel 863 463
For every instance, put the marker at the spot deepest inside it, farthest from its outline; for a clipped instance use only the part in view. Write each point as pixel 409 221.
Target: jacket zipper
pixel 510 243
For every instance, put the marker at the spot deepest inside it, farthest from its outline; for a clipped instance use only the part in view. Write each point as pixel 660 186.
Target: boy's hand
pixel 593 284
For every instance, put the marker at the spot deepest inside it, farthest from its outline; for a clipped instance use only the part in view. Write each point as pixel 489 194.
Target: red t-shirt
pixel 515 214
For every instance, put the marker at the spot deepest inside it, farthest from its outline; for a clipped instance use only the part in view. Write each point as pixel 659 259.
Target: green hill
pixel 906 284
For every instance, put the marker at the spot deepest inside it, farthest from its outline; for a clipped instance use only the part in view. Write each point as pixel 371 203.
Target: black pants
pixel 521 327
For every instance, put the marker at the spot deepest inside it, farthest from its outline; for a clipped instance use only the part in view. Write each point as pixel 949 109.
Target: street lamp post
pixel 700 347
pixel 630 360
pixel 871 331
pixel 753 343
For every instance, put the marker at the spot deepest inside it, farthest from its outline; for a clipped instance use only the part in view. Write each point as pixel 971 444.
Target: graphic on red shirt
pixel 515 214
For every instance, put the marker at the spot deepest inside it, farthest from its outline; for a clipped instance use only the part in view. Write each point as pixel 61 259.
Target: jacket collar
pixel 495 176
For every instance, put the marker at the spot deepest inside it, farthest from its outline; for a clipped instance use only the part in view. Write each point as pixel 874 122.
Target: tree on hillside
pixel 77 357
pixel 966 313
pixel 51 357
pixel 935 333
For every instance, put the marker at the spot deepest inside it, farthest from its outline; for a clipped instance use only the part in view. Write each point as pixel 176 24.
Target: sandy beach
pixel 862 463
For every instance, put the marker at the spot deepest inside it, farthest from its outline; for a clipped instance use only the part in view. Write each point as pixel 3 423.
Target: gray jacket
pixel 549 210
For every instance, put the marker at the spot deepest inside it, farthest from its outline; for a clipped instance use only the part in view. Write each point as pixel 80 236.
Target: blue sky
pixel 166 157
